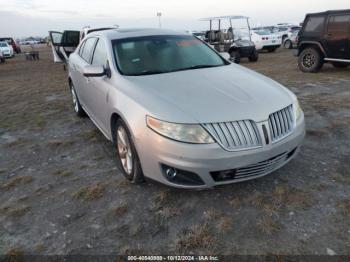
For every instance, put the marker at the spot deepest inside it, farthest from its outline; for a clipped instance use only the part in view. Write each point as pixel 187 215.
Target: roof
pixel 330 12
pixel 224 17
pixel 134 32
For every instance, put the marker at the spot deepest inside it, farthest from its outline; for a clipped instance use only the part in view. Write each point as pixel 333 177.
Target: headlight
pixel 189 133
pixel 298 110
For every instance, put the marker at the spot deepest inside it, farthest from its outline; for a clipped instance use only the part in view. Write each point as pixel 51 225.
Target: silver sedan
pixel 179 113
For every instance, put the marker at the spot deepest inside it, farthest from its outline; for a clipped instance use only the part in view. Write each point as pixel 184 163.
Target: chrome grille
pixel 235 135
pixel 281 123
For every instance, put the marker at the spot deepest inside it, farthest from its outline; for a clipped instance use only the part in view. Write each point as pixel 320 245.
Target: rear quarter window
pixel 314 24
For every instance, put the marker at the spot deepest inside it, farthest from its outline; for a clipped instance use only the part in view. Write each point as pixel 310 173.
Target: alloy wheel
pixel 124 150
pixel 75 100
pixel 309 60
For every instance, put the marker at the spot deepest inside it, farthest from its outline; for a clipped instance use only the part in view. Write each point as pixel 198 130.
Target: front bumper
pixel 204 160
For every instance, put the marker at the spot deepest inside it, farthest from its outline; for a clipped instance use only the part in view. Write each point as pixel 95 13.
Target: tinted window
pixel 70 38
pixel 88 48
pixel 339 23
pixel 100 54
pixel 315 24
pixel 163 54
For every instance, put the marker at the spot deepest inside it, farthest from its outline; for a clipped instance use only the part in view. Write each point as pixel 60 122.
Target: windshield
pixel 3 45
pixel 163 54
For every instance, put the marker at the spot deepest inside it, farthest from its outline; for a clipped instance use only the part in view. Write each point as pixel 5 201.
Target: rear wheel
pixel 127 157
pixel 235 56
pixel 254 57
pixel 310 60
pixel 76 104
pixel 340 65
pixel 288 44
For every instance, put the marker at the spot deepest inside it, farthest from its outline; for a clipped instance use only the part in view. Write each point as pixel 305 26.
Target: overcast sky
pixel 20 18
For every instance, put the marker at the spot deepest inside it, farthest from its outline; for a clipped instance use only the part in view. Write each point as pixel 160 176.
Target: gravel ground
pixel 61 192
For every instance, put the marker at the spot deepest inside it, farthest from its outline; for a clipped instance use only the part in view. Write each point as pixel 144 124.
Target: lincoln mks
pixel 178 112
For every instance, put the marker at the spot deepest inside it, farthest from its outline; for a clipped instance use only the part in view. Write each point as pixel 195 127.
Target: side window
pixel 339 24
pixel 100 54
pixel 81 48
pixel 88 48
pixel 315 24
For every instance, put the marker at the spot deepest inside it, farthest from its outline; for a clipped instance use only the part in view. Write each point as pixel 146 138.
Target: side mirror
pixel 94 71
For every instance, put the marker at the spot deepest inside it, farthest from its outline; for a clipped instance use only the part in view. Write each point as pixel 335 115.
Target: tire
pixel 235 56
pixel 310 60
pixel 76 104
pixel 254 57
pixel 127 158
pixel 288 44
pixel 340 65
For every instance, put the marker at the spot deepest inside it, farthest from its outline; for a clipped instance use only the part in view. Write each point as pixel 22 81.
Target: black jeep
pixel 325 37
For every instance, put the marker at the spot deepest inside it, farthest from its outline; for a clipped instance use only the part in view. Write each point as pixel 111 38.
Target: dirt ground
pixel 61 192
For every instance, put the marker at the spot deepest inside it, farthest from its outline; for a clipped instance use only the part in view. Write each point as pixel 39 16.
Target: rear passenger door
pixel 81 82
pixel 337 36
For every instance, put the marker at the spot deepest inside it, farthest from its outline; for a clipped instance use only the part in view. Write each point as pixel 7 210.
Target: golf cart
pixel 233 40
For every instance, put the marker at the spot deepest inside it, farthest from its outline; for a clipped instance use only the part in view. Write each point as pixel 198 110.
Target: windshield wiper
pixel 149 72
pixel 195 67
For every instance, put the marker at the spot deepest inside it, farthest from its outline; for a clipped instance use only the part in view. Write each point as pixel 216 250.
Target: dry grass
pixel 269 225
pixel 160 198
pixel 17 142
pixel 90 193
pixel 342 179
pixel 16 181
pixel 211 214
pixel 55 143
pixel 90 135
pixel 14 255
pixel 121 211
pixel 14 211
pixel 198 237
pixel 224 223
pixel 344 206
pixel 281 197
pixel 62 173
pixel 169 212
pixel 234 202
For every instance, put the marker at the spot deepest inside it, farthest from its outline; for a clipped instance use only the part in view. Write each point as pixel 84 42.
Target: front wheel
pixel 127 157
pixel 235 56
pixel 310 60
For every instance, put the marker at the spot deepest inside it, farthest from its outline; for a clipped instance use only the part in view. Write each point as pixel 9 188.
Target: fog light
pixel 171 172
pixel 181 177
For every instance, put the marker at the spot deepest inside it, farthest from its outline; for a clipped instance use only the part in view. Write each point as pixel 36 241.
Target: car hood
pixel 219 94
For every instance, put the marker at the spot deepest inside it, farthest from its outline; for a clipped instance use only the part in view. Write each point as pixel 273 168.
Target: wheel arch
pixel 113 120
pixel 316 45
